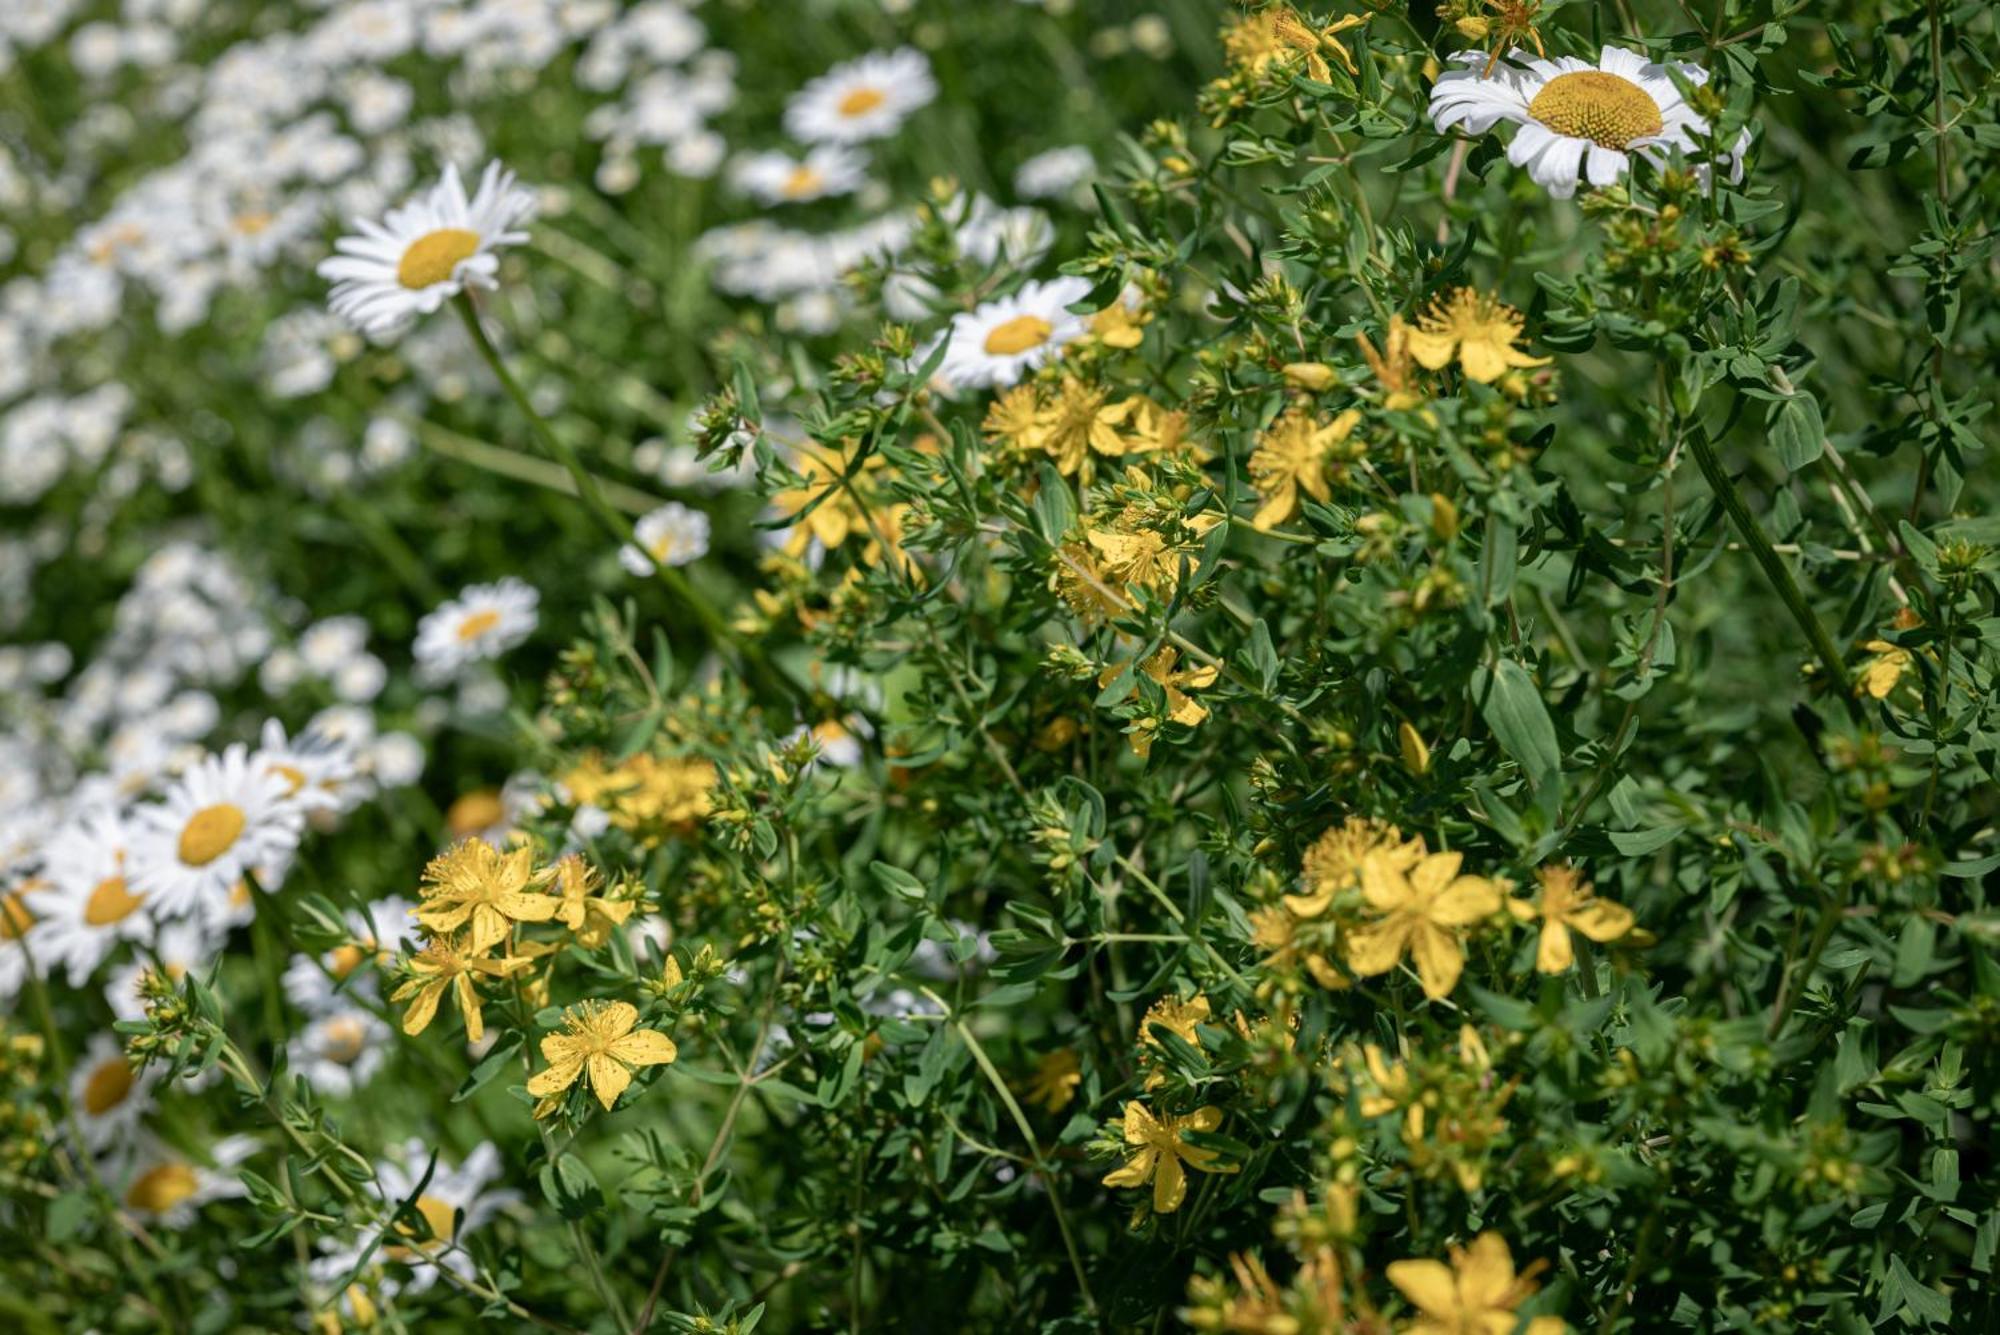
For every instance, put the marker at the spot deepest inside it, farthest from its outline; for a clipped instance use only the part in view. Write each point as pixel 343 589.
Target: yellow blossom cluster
pixel 1450 1105
pixel 1074 423
pixel 650 797
pixel 474 901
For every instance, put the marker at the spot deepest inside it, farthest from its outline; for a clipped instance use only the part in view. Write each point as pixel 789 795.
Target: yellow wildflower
pixel 1055 1080
pixel 476 883
pixel 1423 911
pixel 1279 36
pixel 1479 330
pixel 589 915
pixel 1333 864
pixel 598 1040
pixel 1119 325
pixel 1014 419
pixel 667 793
pixel 831 506
pixel 1475 1295
pixel 1182 708
pixel 1884 670
pixel 1160 1152
pixel 1568 902
pixel 446 965
pixel 1291 456
pixel 1392 366
pixel 1077 422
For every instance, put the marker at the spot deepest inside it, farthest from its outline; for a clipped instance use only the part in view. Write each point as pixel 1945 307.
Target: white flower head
pixel 318 769
pixel 109 1094
pixel 1579 121
pixel 779 178
pixel 426 252
pixel 82 904
pixel 226 816
pixel 448 1192
pixel 165 1186
pixel 866 98
pixel 340 1052
pixel 484 621
pixel 672 535
pixel 997 344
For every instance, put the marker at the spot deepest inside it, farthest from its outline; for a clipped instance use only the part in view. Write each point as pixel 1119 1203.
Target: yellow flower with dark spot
pixel 598 1040
pixel 1159 1153
pixel 1568 903
pixel 1479 330
pixel 587 914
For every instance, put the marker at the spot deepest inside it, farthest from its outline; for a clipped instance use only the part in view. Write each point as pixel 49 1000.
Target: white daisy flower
pixel 862 99
pixel 81 904
pixel 341 1052
pixel 166 1186
pixel 780 178
pixel 484 621
pixel 109 1095
pixel 1579 122
pixel 1054 174
pixel 323 986
pixel 426 252
pixel 449 1191
pixel 222 818
pixel 672 535
pixel 318 769
pixel 996 345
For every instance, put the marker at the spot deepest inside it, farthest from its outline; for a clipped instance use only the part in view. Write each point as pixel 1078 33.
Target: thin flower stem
pixel 1775 570
pixel 1027 1130
pixel 720 632
pixel 746 1077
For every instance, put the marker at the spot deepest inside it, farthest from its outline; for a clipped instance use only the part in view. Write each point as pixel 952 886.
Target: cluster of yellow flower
pixel 1450 1103
pixel 1377 897
pixel 474 901
pixel 649 797
pixel 1073 423
pixel 25 1129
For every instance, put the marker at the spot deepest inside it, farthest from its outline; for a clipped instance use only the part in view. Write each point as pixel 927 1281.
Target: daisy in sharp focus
pixel 222 818
pixel 997 344
pixel 1579 121
pixel 484 621
pixel 862 99
pixel 780 178
pixel 82 905
pixel 671 535
pixel 426 252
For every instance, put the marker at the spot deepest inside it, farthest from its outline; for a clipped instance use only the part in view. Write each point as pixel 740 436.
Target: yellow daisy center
pixel 1018 335
pixel 474 811
pixel 344 1040
pixel 861 101
pixel 110 902
pixel 344 960
pixel 432 257
pixel 439 1215
pixel 14 917
pixel 210 832
pixel 160 1189
pixel 1607 109
pixel 106 1087
pixel 254 223
pixel 294 777
pixel 477 624
pixel 802 182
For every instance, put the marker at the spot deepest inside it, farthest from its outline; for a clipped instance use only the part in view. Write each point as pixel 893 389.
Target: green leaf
pixel 571 1187
pixel 897 881
pixel 1512 707
pixel 1796 431
pixel 490 1067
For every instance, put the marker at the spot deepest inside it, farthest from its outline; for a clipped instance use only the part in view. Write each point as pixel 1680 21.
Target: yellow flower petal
pixel 1439 958
pixel 556 1079
pixel 424 1009
pixel 1428 1284
pixel 1134 1171
pixel 1601 920
pixel 1465 901
pixel 644 1047
pixel 1169 1185
pixel 1553 953
pixel 1375 949
pixel 607 1079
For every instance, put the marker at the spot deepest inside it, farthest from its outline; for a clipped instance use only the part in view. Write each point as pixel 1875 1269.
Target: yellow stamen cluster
pixel 1607 109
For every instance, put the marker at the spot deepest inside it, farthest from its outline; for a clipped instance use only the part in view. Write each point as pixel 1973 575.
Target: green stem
pixel 1775 570
pixel 614 523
